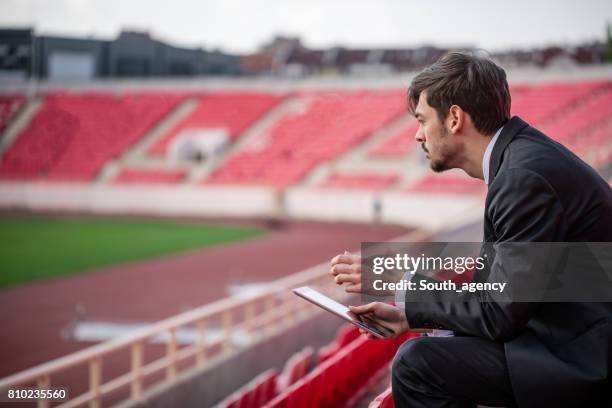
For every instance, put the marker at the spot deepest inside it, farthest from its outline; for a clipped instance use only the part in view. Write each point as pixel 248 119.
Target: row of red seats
pixel 72 136
pixel 268 384
pixel 234 112
pixel 295 368
pixel 149 176
pixel 10 105
pixel 361 181
pixel 255 394
pixel 541 103
pixel 345 335
pixel 588 115
pixel 341 378
pixel 330 125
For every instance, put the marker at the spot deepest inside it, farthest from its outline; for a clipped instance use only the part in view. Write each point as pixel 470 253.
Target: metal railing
pixel 255 317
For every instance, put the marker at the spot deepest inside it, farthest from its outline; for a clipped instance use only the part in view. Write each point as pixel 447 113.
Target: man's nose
pixel 419 136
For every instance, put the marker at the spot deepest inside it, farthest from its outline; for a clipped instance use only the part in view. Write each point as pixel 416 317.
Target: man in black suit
pixel 525 354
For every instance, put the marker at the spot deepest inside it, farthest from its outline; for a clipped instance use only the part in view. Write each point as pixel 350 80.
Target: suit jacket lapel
pixel 511 129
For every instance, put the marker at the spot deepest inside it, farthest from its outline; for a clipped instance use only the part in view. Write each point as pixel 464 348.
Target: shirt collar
pixel 487 155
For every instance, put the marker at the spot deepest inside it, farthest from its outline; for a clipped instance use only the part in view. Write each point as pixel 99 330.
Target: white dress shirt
pixel 486 159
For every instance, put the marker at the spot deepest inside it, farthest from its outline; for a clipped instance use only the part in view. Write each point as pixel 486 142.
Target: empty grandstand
pixel 312 137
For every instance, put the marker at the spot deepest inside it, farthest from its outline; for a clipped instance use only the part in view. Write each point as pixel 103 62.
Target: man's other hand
pixel 391 317
pixel 346 268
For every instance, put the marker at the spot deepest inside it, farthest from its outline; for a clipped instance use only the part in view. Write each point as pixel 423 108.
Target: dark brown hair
pixel 474 83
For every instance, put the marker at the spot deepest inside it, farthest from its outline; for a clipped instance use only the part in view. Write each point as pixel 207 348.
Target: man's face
pixel 434 137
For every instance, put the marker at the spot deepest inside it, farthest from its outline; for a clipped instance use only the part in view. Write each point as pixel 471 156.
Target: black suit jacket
pixel 558 354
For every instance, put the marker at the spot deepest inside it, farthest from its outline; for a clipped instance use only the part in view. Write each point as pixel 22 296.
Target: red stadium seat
pixel 295 368
pixel 255 394
pixel 346 334
pixel 384 400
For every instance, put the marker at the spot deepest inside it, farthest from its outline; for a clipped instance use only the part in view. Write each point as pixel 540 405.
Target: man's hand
pixel 346 268
pixel 391 317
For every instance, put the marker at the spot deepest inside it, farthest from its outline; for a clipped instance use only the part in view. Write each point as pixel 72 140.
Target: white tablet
pixel 343 312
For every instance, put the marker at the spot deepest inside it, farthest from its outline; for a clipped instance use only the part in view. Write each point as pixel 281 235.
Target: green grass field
pixel 35 247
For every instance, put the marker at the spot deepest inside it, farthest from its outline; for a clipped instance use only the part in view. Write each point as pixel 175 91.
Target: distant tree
pixel 608 55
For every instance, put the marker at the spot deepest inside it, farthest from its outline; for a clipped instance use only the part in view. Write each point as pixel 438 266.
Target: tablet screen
pixel 342 311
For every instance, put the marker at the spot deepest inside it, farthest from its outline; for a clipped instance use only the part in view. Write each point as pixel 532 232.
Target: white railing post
pixel 136 385
pixel 249 316
pixel 95 379
pixel 270 313
pixel 227 331
pixel 43 382
pixel 171 356
pixel 201 353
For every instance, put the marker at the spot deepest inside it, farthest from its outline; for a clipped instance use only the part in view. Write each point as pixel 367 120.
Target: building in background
pixel 133 54
pixel 23 54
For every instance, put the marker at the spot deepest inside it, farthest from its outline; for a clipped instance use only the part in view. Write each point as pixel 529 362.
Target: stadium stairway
pixel 19 122
pixel 139 165
pixel 10 106
pixel 250 138
pixel 135 157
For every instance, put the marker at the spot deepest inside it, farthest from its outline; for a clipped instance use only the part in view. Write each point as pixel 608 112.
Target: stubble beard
pixel 438 166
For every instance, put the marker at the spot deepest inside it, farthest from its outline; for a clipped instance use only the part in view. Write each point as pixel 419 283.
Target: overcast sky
pixel 243 25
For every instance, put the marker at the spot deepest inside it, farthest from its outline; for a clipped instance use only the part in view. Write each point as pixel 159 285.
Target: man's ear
pixel 456 119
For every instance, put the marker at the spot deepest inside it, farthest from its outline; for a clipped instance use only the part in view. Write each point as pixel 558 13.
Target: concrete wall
pixel 424 211
pixel 427 211
pixel 154 200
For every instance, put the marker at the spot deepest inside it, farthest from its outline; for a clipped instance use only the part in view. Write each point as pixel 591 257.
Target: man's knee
pixel 412 360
